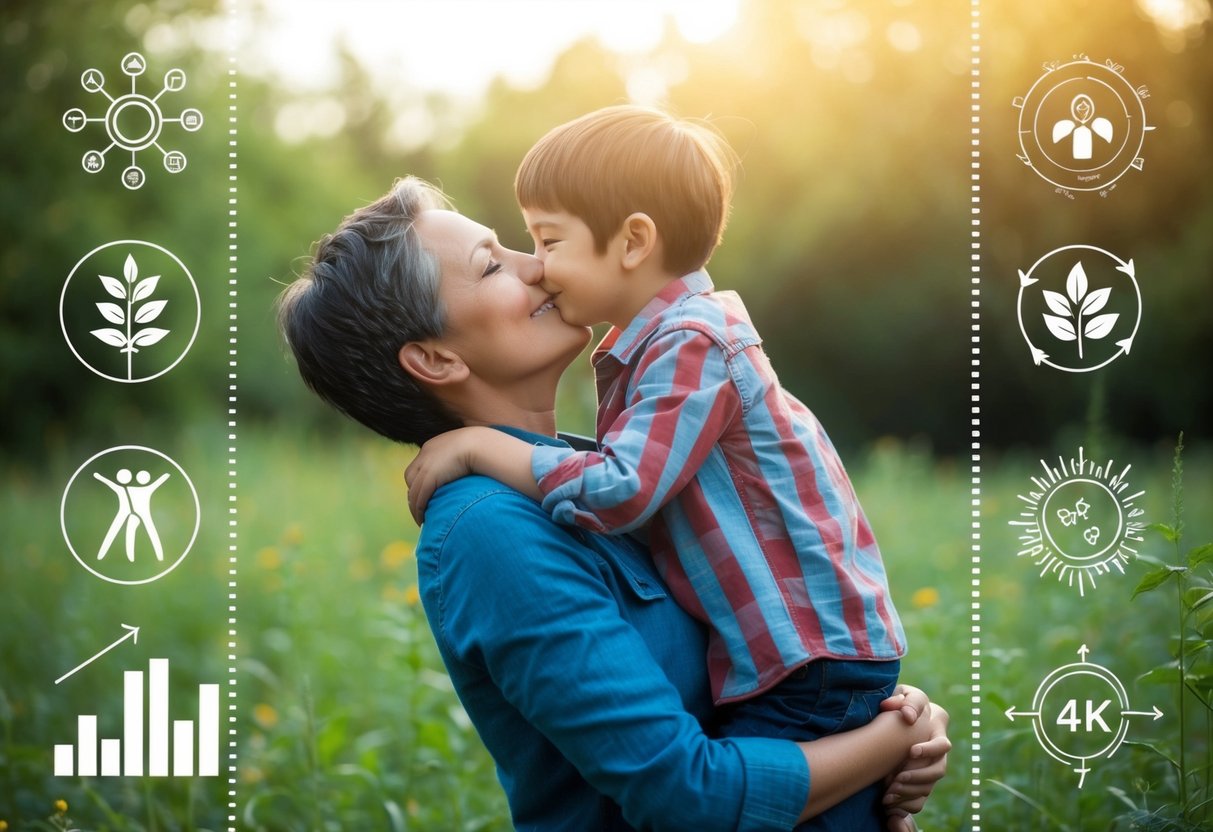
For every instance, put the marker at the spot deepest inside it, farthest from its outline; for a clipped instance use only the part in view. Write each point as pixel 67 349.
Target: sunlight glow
pixel 459 47
pixel 1176 15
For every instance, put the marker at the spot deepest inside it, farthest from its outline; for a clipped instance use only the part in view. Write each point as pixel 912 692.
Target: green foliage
pixel 1190 673
pixel 848 234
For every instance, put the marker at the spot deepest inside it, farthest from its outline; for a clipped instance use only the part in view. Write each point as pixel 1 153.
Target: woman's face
pixel 498 318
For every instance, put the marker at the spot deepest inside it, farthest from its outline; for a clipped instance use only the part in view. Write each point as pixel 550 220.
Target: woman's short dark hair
pixel 371 288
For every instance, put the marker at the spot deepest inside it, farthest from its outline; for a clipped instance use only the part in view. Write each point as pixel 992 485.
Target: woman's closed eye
pixel 492 268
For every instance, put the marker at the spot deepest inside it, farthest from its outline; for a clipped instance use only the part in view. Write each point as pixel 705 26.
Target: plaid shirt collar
pixel 621 344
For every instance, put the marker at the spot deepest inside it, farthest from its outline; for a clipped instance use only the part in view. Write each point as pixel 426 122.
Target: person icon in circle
pixel 1083 110
pixel 134 508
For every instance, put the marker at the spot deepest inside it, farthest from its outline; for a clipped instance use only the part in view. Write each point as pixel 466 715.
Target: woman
pixel 585 681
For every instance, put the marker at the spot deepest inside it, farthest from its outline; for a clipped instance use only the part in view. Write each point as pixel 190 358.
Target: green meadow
pixel 346 719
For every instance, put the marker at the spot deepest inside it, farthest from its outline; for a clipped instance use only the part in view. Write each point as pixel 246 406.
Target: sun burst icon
pixel 1079 522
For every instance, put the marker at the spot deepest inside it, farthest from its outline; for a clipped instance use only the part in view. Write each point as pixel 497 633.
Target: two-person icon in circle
pixel 134 509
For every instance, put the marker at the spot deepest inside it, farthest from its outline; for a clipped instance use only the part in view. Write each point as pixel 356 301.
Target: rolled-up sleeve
pixel 523 598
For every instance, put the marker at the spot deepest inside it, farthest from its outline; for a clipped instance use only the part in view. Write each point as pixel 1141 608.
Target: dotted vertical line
pixel 232 385
pixel 975 407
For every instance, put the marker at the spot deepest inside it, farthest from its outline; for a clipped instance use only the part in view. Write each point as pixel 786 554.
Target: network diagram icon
pixel 1080 712
pixel 133 121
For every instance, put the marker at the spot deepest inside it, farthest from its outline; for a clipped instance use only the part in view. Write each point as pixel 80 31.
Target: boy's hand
pixel 909 700
pixel 442 459
pixel 911 785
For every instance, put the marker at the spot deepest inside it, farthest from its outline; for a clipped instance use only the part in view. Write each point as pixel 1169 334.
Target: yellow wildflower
pixel 412 595
pixel 269 558
pixel 292 536
pixel 927 596
pixel 61 806
pixel 265 715
pixel 3 825
pixel 395 554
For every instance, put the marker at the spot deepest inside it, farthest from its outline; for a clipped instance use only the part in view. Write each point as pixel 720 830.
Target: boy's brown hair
pixel 625 159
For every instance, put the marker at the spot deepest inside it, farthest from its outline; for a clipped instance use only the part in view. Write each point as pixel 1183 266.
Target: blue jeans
pixel 823 697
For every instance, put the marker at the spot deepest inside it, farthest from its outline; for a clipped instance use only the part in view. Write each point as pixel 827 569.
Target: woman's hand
pixel 909 787
pixel 444 458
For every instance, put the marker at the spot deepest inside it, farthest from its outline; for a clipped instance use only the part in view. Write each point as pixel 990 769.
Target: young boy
pixel 754 523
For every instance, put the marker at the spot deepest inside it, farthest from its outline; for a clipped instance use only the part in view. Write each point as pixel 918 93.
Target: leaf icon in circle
pixel 145 287
pixel 1057 302
pixel 113 337
pixel 112 312
pixel 1076 282
pixel 1061 328
pixel 127 314
pixel 1100 326
pixel 1071 320
pixel 150 311
pixel 114 286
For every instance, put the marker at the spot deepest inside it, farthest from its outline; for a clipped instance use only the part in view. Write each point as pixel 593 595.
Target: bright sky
pixel 458 46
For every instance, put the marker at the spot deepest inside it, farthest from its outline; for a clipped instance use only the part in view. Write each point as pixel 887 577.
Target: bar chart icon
pixel 146 741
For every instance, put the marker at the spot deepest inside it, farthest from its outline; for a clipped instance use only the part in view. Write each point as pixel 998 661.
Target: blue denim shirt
pixel 586 682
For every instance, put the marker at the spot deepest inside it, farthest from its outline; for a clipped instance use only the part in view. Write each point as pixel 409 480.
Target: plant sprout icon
pixel 129 340
pixel 1076 305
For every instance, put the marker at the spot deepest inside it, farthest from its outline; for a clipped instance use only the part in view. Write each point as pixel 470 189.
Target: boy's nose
pixel 530 269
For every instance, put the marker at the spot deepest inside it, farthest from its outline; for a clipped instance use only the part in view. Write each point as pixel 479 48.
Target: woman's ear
pixel 639 239
pixel 432 363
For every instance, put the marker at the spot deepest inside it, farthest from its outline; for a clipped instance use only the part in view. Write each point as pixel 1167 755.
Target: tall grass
pixel 346 720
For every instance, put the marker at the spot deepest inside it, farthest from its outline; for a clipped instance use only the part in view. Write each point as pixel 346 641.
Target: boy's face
pixel 587 286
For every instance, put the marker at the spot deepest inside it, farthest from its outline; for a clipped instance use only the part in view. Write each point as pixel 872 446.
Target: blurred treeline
pixel 849 235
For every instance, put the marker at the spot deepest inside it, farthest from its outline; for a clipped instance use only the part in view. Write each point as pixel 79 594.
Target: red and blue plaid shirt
pixel 755 524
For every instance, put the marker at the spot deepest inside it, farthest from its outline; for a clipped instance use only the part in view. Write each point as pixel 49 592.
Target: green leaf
pixel 1156 750
pixel 1197 597
pixel 1199 555
pixel 1157 578
pixel 1166 531
pixel 1164 674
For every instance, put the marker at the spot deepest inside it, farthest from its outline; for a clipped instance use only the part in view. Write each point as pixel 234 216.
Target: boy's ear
pixel 639 235
pixel 431 363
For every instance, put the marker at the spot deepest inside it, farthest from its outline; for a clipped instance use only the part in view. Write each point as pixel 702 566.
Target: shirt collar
pixel 620 344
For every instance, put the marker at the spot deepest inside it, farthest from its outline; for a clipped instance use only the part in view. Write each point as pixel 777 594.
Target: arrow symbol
pixel 1011 713
pixel 1127 268
pixel 133 633
pixel 1024 280
pixel 1082 652
pixel 1156 713
pixel 1126 344
pixel 1038 355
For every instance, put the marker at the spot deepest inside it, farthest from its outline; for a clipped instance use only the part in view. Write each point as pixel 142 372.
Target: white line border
pixel 975 409
pixel 233 332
